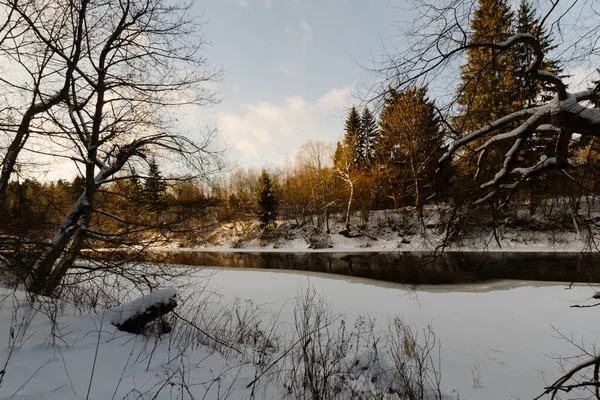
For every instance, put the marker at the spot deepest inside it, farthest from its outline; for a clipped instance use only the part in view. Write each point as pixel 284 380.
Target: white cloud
pixel 266 132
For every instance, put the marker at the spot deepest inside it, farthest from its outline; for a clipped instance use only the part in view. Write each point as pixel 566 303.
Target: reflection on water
pixel 413 267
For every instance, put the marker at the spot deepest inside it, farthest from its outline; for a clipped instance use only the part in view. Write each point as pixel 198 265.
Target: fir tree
pixel 154 190
pixel 352 128
pixel 266 201
pixel 369 132
pixel 354 140
pixel 338 155
pixel 409 144
pixel 532 92
pixel 488 79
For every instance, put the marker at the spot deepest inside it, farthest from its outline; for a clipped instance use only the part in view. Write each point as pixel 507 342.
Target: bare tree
pixel 344 169
pixel 314 158
pixel 38 77
pixel 439 38
pixel 125 67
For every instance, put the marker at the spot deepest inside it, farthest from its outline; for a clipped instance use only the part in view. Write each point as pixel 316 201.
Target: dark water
pixel 412 267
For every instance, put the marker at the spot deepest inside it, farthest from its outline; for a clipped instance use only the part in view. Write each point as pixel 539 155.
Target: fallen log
pixel 134 316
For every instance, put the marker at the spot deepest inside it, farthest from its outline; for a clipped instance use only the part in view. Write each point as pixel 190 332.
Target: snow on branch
pixel 494 126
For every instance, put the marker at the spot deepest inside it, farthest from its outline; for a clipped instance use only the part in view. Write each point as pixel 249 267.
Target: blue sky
pixel 290 69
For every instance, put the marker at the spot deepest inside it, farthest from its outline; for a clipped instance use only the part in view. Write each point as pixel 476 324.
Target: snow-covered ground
pixel 497 339
pixel 400 230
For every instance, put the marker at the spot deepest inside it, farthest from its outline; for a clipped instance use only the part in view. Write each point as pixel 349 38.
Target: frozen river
pixel 504 334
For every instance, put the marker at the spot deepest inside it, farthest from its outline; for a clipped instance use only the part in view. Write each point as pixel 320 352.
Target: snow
pixel 507 333
pixel 118 315
pixel 83 353
pixel 508 329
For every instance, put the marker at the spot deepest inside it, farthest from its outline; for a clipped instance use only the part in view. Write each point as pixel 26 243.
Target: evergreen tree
pixel 154 190
pixel 77 187
pixel 409 144
pixel 369 132
pixel 266 201
pixel 488 79
pixel 352 128
pixel 354 140
pixel 338 155
pixel 532 92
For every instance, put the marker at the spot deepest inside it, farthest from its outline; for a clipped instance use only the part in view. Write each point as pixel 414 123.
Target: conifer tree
pixel 531 91
pixel 338 155
pixel 352 128
pixel 154 190
pixel 77 187
pixel 488 79
pixel 369 132
pixel 354 140
pixel 266 201
pixel 409 144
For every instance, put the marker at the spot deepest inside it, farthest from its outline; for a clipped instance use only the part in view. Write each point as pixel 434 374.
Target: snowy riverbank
pixel 497 339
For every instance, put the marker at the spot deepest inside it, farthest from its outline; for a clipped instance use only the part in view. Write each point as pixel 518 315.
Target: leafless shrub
pixel 330 359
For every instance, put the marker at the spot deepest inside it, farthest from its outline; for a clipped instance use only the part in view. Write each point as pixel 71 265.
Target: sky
pixel 291 69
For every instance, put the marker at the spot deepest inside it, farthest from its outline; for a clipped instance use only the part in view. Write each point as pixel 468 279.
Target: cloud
pixel 265 133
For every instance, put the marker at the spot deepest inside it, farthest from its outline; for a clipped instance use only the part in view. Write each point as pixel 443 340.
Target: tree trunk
pixel 531 201
pixel 43 266
pixel 347 224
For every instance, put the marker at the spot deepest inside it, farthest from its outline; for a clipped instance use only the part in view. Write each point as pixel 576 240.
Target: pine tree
pixel 266 201
pixel 488 80
pixel 154 190
pixel 352 128
pixel 354 140
pixel 409 143
pixel 77 187
pixel 369 132
pixel 532 92
pixel 338 155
